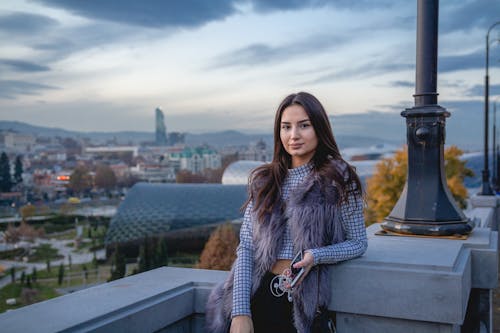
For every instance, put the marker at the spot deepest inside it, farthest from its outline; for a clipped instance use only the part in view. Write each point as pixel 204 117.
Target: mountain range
pixel 215 139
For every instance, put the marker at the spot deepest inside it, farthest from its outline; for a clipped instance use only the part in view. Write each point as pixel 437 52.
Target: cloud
pixel 266 5
pixel 366 70
pixel 448 63
pixel 260 53
pixel 404 84
pixel 152 13
pixel 467 15
pixel 22 66
pixel 10 89
pixel 451 63
pixel 25 23
pixel 478 90
pixel 193 13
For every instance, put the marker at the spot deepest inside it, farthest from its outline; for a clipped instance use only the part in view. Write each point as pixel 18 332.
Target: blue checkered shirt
pixel 351 216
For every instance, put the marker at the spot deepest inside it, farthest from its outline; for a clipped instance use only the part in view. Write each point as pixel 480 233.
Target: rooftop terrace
pixel 401 284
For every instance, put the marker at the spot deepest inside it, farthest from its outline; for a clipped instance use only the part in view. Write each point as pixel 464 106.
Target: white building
pixel 194 159
pixel 18 142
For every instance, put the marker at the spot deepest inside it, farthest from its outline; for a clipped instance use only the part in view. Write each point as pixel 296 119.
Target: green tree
pixel 85 272
pixel 118 267
pixel 80 180
pixel 13 274
pixel 5 178
pixel 161 253
pixel 145 255
pixel 18 170
pixel 60 274
pixel 95 263
pixel 34 276
pixel 23 278
pixel 384 188
pixel 220 250
pixel 105 177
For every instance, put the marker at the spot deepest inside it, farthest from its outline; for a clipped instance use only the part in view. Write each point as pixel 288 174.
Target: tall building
pixel 161 130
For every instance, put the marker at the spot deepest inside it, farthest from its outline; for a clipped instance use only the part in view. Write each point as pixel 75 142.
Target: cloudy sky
pixel 226 64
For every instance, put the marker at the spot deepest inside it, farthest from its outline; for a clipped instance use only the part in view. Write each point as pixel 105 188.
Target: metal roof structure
pixel 153 209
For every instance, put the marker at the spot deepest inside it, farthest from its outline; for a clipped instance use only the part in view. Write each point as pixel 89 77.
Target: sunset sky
pixel 217 65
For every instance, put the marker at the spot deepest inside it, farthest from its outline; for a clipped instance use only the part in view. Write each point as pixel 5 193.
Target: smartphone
pixel 296 272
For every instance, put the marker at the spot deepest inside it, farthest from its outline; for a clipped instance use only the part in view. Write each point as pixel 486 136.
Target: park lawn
pixel 14 290
pixel 47 284
pixel 64 235
pixel 75 268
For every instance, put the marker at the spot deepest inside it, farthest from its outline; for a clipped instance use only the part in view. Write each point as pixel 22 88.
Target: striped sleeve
pixel 355 243
pixel 244 268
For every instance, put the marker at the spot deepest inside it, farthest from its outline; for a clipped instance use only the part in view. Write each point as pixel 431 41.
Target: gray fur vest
pixel 311 213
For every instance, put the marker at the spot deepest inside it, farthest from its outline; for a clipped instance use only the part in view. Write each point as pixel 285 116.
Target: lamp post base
pixel 486 186
pixel 451 228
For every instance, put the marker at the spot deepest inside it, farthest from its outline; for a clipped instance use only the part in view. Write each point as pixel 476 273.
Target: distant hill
pixel 215 139
pixel 123 137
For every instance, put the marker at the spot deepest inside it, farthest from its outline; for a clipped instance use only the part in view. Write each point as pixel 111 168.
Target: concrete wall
pixel 162 300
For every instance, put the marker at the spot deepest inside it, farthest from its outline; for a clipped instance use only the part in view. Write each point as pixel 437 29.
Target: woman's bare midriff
pixel 280 265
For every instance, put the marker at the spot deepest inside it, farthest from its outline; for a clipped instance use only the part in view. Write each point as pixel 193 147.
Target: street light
pixel 495 173
pixel 426 206
pixel 486 188
pixel 495 154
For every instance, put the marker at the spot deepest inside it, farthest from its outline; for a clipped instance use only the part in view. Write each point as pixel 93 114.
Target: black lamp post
pixel 494 179
pixel 426 206
pixel 486 186
pixel 496 156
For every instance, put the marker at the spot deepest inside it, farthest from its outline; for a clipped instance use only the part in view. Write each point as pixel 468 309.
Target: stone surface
pixel 370 324
pixel 484 201
pixel 414 278
pixel 145 302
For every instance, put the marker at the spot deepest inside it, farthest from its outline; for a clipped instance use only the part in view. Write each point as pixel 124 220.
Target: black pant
pixel 270 313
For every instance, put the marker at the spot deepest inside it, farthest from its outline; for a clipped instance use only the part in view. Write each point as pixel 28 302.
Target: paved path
pixel 64 250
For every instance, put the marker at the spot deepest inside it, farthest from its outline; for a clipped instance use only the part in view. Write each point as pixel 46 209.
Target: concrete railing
pixel 401 284
pixel 162 300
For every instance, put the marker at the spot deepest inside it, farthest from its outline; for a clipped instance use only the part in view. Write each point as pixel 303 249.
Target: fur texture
pixel 311 213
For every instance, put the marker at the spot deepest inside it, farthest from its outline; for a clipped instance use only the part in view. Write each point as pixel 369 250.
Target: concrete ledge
pixel 483 244
pixel 146 302
pixel 347 322
pixel 483 217
pixel 419 279
pixel 490 201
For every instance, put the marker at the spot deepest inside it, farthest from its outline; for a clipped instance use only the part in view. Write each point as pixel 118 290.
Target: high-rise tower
pixel 161 130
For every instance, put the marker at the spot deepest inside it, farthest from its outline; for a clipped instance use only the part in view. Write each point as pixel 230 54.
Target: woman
pixel 307 199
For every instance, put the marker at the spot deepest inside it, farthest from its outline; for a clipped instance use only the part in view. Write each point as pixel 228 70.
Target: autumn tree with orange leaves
pixel 384 188
pixel 220 249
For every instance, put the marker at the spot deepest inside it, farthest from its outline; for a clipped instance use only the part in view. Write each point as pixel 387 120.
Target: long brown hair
pixel 265 181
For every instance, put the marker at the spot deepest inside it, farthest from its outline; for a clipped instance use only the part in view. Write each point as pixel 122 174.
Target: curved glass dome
pixel 237 172
pixel 151 209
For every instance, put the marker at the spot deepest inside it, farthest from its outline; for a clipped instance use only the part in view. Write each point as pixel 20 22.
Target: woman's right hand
pixel 241 324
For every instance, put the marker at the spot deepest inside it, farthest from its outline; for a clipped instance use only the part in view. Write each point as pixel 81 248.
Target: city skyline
pixel 93 66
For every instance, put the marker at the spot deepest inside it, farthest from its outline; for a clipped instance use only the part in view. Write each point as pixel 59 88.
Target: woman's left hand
pixel 307 263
